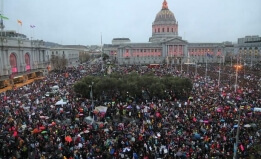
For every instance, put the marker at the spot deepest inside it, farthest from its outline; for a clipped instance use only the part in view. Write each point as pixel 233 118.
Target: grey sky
pixel 83 21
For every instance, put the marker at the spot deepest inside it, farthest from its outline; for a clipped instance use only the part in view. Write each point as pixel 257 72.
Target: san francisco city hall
pixel 166 46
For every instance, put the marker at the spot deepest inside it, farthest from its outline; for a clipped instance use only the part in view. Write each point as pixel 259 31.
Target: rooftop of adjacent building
pixel 12 34
pixel 249 39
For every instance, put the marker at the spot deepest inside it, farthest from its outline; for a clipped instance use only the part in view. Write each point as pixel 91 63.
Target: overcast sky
pixel 84 21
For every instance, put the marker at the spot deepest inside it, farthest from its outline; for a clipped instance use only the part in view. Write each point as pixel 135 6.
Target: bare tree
pixel 58 63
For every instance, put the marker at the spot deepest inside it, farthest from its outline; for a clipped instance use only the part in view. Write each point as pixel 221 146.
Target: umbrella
pixel 205 121
pixel 203 130
pixel 86 131
pixel 88 119
pixel 57 121
pixel 247 125
pixel 179 153
pixel 15 134
pixel 235 126
pixel 219 110
pixel 23 126
pixel 60 102
pixel 129 107
pixel 126 149
pixel 197 136
pixel 101 109
pixel 67 122
pixel 43 132
pixel 42 128
pixel 222 120
pixel 68 138
pixel 35 131
pixel 158 115
pixel 112 151
pixel 253 125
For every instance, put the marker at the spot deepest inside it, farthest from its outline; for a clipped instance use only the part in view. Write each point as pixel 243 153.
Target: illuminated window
pixel 13 63
pixel 27 62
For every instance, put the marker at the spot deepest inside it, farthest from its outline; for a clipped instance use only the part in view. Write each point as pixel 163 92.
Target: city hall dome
pixel 165 15
pixel 165 25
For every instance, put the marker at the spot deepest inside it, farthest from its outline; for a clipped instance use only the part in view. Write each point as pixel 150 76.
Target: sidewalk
pixel 18 85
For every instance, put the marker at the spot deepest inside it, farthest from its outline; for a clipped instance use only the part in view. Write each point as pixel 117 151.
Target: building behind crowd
pixel 21 58
pixel 71 53
pixel 166 46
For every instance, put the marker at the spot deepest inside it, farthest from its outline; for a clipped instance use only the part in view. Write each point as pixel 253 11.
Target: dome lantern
pixel 165 5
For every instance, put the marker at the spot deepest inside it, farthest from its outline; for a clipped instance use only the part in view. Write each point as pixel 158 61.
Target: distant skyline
pixel 84 21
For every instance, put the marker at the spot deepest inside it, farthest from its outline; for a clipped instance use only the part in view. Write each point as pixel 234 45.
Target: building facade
pixel 249 49
pixel 166 46
pixel 21 58
pixel 71 53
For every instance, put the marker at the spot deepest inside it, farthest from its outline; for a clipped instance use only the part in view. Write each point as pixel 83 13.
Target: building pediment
pixel 175 41
pixel 126 47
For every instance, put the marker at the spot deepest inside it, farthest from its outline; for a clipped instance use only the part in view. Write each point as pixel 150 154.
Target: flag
pixel 32 26
pixel 19 22
pixel 3 17
pixel 208 55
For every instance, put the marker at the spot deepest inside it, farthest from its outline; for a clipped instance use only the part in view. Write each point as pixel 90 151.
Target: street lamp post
pixel 196 69
pixel 237 67
pixel 91 94
pixel 219 72
pixel 237 136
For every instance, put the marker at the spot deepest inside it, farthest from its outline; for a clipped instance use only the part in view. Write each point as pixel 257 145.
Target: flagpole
pixel 206 73
pixel 101 52
pixel 219 71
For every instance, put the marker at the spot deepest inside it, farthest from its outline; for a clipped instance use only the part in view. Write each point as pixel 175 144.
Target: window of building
pixel 155 30
pixel 13 62
pixel 163 30
pixel 171 29
pixel 158 30
pixel 167 29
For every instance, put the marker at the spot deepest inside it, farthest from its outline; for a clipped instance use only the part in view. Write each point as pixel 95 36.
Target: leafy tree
pixel 133 85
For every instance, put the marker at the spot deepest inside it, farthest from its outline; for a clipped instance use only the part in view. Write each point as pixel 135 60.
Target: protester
pixel 34 125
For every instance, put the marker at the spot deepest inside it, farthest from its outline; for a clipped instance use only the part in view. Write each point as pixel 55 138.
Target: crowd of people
pixel 205 125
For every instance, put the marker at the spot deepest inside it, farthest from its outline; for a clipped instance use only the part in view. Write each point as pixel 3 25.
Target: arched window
pixel 13 62
pixel 27 62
